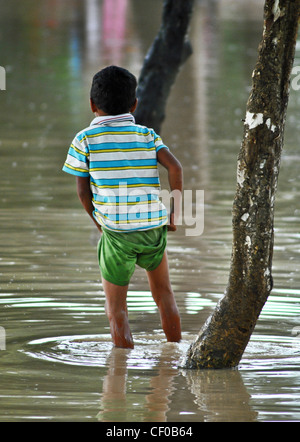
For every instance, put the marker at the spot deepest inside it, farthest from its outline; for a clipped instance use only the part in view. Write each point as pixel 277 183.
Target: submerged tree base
pixel 221 342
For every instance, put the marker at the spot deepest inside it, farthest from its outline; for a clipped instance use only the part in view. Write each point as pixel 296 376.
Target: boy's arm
pixel 85 196
pixel 175 175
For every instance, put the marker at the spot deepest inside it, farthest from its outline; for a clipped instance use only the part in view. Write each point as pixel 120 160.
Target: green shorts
pixel 119 252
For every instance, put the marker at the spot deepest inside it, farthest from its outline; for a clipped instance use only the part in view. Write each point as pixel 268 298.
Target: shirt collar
pixel 107 119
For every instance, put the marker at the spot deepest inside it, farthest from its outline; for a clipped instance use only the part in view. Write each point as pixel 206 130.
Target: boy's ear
pixel 93 106
pixel 134 106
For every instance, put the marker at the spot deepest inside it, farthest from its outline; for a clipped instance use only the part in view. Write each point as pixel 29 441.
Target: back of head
pixel 114 90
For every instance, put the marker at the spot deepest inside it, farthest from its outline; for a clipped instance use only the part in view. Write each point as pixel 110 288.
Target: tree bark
pixel 168 52
pixel 225 335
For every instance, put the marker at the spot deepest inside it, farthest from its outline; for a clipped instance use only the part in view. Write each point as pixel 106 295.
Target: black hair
pixel 114 90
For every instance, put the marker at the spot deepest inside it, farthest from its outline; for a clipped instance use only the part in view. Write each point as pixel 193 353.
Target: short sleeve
pixel 159 143
pixel 77 162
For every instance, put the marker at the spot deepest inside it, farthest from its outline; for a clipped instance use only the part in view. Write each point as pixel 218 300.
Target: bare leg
pixel 116 311
pixel 162 293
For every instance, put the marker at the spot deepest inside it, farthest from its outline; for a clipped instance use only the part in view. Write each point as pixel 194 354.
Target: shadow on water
pixel 57 360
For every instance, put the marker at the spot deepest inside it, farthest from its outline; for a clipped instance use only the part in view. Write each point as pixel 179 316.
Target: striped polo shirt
pixel 120 157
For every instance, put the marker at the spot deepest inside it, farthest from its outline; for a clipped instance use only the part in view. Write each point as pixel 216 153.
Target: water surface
pixel 58 363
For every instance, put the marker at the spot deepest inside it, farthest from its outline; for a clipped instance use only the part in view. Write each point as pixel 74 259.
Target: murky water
pixel 57 361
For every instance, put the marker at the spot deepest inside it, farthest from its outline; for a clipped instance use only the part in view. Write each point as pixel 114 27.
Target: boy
pixel 115 163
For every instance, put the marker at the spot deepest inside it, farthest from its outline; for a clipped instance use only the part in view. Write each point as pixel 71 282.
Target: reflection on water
pixel 58 362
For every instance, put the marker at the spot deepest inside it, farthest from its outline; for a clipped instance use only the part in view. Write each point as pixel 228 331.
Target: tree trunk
pixel 169 50
pixel 224 337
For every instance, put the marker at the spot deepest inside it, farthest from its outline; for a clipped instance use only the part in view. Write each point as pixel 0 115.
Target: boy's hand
pixel 171 226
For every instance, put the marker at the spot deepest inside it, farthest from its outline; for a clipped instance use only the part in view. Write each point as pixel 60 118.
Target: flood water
pixel 56 357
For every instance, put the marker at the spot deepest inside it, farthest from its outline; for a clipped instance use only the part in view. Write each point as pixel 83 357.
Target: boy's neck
pixel 100 113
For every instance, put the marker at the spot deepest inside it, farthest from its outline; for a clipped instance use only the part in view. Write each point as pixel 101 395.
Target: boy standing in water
pixel 115 162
